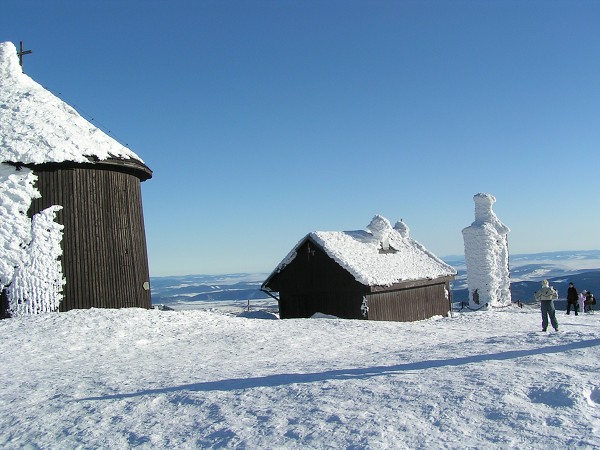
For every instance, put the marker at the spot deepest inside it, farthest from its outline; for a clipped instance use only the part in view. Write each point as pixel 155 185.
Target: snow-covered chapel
pixel 71 223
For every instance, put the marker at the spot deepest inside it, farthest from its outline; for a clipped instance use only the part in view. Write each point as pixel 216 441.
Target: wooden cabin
pixel 375 274
pixel 95 179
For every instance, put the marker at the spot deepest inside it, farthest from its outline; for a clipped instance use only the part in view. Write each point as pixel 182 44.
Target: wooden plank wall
pixel 408 305
pixel 313 282
pixel 343 304
pixel 105 260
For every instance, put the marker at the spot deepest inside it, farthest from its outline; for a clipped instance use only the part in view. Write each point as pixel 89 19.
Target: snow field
pixel 196 379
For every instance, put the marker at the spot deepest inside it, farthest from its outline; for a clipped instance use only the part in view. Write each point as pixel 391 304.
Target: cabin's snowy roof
pixel 37 127
pixel 381 255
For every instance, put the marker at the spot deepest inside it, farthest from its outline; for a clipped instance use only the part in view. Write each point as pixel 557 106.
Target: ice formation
pixel 37 285
pixel 30 268
pixel 16 193
pixel 486 256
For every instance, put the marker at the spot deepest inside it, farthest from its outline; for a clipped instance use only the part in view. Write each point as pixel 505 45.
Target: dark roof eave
pixel 132 166
pixel 281 267
pixel 412 284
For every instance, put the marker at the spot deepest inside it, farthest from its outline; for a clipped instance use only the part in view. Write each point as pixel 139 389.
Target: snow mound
pixel 259 314
pixel 319 315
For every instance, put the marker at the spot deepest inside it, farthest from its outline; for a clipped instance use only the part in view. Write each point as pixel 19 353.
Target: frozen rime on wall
pixel 486 256
pixel 38 283
pixel 16 193
pixel 30 268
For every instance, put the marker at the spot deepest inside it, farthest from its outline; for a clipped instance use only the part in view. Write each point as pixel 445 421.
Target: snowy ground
pixel 154 379
pixel 230 307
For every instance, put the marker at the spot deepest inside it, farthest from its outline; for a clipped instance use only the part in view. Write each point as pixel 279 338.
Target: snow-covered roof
pixel 37 127
pixel 381 255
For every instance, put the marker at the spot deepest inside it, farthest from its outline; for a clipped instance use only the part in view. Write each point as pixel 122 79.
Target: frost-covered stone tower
pixel 486 256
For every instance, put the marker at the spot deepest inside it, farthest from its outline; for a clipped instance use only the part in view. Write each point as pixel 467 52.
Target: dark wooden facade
pixel 410 301
pixel 104 258
pixel 314 283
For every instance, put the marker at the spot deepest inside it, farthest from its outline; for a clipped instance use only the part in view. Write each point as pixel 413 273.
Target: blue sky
pixel 265 120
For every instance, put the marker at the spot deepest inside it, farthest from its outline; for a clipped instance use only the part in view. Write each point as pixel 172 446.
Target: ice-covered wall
pixel 486 256
pixel 37 286
pixel 16 192
pixel 30 268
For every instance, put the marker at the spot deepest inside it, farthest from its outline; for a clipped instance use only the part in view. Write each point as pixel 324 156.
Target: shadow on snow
pixel 347 374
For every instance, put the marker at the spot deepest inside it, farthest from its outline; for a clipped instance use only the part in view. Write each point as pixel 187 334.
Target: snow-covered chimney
pixel 381 228
pixel 486 256
pixel 402 228
pixel 483 207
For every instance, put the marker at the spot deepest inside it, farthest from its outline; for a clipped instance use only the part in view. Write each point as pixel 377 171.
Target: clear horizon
pixel 568 264
pixel 267 120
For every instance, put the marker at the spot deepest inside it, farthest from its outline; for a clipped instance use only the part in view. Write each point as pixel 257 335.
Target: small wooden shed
pixel 376 274
pixel 95 179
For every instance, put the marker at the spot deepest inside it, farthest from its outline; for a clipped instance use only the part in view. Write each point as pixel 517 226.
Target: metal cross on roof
pixel 22 52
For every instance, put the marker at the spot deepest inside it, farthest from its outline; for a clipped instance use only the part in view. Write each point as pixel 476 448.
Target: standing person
pixel 582 298
pixel 546 296
pixel 572 297
pixel 591 301
pixel 587 305
pixel 476 297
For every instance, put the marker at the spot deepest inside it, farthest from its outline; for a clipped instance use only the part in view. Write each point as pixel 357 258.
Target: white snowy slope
pixel 37 127
pixel 135 378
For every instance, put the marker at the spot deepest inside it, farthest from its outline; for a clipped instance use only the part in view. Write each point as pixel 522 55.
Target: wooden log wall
pixel 105 260
pixel 408 305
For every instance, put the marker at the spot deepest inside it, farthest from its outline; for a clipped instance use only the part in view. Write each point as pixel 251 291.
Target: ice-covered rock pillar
pixel 486 256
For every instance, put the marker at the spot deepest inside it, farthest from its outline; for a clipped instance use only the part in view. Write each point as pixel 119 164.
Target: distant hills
pixel 185 291
pixel 527 270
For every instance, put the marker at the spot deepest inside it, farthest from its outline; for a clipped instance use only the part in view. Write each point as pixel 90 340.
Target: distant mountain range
pixel 527 270
pixel 185 291
pixel 582 268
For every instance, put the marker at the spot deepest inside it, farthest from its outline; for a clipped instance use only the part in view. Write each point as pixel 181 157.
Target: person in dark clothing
pixel 572 296
pixel 546 296
pixel 476 297
pixel 589 298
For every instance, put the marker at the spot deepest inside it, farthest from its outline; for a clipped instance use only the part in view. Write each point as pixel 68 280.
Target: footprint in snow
pixel 552 396
pixel 594 398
